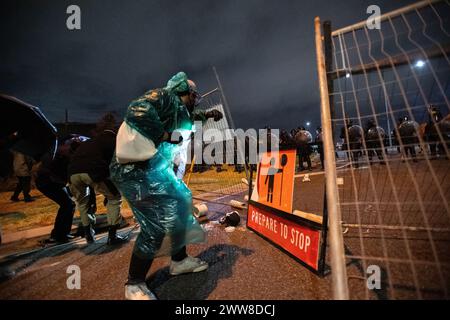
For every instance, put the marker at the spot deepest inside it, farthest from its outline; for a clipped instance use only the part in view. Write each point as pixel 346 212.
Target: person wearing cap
pixel 142 170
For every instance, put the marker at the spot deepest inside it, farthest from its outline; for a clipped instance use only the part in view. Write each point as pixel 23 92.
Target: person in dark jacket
pixel 407 136
pixel 51 180
pixel 432 131
pixel 344 136
pixel 89 167
pixel 319 142
pixel 352 135
pixel 304 150
pixel 374 137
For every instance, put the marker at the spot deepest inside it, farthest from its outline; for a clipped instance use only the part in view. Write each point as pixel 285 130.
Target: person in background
pixel 407 138
pixel 432 132
pixel 22 169
pixel 396 135
pixel 304 150
pixel 352 135
pixel 51 180
pixel 344 137
pixel 319 142
pixel 286 139
pixel 373 137
pixel 89 167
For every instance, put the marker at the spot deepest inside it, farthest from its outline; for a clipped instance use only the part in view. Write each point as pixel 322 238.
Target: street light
pixel 419 64
pixel 308 124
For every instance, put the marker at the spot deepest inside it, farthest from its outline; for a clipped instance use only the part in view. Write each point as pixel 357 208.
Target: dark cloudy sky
pixel 263 52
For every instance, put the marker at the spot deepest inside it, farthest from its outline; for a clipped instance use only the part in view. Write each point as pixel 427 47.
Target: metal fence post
pixel 338 266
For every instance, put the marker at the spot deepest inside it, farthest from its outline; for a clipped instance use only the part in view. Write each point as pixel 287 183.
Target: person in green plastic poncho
pixel 142 169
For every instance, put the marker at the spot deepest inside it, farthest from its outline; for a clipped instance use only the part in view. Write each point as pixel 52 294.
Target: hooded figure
pixel 142 170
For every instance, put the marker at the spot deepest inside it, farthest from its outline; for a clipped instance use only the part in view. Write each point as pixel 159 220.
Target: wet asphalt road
pixel 243 265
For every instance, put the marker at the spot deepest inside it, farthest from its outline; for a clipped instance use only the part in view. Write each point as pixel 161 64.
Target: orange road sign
pixel 275 180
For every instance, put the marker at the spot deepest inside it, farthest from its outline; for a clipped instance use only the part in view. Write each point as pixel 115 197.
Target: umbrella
pixel 34 135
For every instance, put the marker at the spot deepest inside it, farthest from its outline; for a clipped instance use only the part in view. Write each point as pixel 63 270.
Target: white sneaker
pixel 138 291
pixel 187 265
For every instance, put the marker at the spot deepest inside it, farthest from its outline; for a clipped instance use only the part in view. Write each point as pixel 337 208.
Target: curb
pixel 7 238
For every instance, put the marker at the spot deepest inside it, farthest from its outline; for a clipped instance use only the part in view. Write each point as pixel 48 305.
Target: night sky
pixel 264 53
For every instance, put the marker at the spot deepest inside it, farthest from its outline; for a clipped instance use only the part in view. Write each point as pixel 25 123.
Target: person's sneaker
pixel 187 265
pixel 117 239
pixel 70 236
pixel 29 199
pixel 49 241
pixel 89 234
pixel 15 199
pixel 114 238
pixel 138 291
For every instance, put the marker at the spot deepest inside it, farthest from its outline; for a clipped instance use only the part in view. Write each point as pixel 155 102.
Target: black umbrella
pixel 34 135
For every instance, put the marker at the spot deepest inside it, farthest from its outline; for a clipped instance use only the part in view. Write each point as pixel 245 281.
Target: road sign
pixel 300 240
pixel 272 215
pixel 275 180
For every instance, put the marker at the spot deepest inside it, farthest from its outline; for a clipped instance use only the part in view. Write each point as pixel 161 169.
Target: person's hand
pixel 215 114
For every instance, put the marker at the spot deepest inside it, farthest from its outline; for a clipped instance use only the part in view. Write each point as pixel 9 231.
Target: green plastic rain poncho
pixel 160 201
